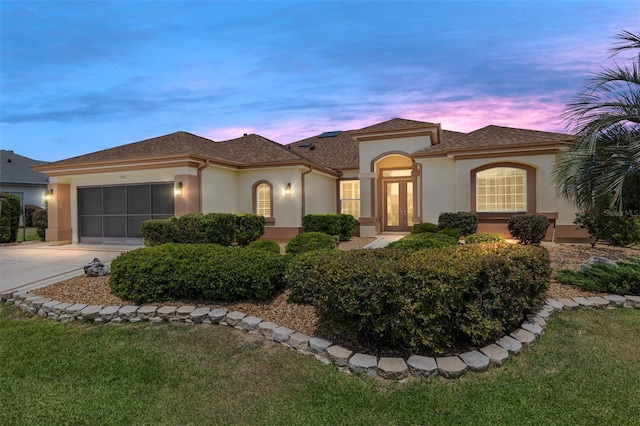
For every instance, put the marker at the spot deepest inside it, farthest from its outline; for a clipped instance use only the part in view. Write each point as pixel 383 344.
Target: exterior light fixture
pixel 287 189
pixel 177 189
pixel 48 196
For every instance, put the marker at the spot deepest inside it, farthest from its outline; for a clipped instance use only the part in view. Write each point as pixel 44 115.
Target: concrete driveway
pixel 30 266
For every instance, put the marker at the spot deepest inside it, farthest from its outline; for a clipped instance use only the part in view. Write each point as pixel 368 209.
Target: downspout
pixel 303 189
pixel 200 169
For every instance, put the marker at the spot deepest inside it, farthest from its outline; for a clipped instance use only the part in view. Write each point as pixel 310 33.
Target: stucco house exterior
pixel 18 178
pixel 389 176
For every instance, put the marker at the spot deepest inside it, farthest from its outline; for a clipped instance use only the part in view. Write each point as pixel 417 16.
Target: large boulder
pixel 596 260
pixel 95 268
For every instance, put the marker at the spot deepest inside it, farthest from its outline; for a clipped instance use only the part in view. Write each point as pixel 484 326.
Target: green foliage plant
pixel 528 228
pixel 465 222
pixel 264 245
pixel 196 272
pixel 429 300
pixel 41 222
pixel 9 217
pixel 341 225
pixel 310 241
pixel 621 279
pixel 249 228
pixel 481 238
pixel 617 228
pixel 421 228
pixel 453 233
pixel 423 241
pixel 155 232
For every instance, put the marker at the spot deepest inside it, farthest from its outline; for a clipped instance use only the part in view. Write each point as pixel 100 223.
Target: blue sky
pixel 81 76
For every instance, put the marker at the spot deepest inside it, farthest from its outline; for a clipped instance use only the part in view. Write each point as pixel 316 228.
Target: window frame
pixel 270 218
pixel 530 187
pixel 340 199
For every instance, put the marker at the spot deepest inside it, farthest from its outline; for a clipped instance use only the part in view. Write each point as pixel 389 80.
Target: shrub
pixel 265 245
pixel 423 241
pixel 480 238
pixel 155 232
pixel 249 228
pixel 621 279
pixel 421 228
pixel 196 271
pixel 424 300
pixel 28 215
pixel 528 228
pixel 310 241
pixel 198 228
pixel 41 222
pixel 465 222
pixel 453 233
pixel 341 225
pixel 9 217
pixel 623 230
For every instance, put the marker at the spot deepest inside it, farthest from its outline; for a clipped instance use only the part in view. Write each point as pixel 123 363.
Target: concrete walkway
pixel 383 240
pixel 30 266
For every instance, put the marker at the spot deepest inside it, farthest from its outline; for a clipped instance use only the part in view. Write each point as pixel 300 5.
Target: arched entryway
pixel 396 192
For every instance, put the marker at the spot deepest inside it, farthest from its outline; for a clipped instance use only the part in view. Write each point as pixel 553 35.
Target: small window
pixel 350 197
pixel 501 189
pixel 396 173
pixel 263 199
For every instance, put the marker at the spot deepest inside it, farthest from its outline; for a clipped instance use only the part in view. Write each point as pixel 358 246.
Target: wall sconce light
pixel 177 189
pixel 287 189
pixel 48 196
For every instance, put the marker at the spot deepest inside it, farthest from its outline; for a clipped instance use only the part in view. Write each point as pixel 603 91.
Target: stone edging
pixel 387 368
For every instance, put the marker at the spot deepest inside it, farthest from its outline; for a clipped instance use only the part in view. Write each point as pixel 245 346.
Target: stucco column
pixel 59 214
pixel 368 220
pixel 189 200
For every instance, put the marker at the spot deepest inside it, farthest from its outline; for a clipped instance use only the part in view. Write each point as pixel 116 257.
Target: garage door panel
pixel 114 200
pixel 91 226
pixel 115 226
pixel 138 199
pixel 90 201
pixel 162 199
pixel 133 226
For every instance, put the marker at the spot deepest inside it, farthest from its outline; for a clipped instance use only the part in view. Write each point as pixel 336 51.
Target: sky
pixel 82 76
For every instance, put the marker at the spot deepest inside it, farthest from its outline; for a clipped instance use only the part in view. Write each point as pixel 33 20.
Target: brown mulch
pixel 302 318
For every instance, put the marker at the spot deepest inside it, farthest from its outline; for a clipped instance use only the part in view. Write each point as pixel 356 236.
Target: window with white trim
pixel 501 189
pixel 263 199
pixel 350 197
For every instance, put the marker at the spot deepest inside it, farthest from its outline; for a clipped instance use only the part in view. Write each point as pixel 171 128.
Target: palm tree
pixel 602 167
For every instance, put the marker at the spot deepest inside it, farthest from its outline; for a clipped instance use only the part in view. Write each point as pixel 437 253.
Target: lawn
pixel 583 370
pixel 27 234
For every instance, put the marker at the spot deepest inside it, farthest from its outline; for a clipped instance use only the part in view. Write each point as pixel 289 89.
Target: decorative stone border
pixel 387 368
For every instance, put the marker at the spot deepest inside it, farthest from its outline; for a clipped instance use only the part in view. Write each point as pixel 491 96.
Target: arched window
pixel 503 188
pixel 263 199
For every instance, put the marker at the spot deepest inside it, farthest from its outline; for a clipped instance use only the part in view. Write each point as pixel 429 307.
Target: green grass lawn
pixel 585 370
pixel 27 234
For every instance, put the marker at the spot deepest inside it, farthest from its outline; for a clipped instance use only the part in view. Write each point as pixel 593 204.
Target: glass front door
pixel 398 205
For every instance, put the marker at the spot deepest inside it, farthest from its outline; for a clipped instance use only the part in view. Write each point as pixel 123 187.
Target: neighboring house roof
pixel 16 169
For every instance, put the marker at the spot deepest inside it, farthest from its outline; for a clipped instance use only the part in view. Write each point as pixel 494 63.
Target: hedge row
pixel 423 241
pixel 199 228
pixel 427 300
pixel 341 225
pixel 9 217
pixel 196 272
pixel 310 241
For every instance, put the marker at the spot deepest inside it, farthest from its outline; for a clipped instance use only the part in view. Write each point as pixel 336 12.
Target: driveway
pixel 30 266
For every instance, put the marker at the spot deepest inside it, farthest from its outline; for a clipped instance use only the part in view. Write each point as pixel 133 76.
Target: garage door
pixel 113 214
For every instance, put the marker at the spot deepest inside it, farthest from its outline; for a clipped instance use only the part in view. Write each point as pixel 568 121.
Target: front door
pixel 398 205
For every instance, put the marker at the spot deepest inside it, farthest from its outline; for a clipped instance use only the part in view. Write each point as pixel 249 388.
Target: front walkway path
pixel 383 240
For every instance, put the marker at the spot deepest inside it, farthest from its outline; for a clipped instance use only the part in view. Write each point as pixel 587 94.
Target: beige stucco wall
pixel 438 182
pixel 371 150
pixel 320 193
pixel 115 178
pixel 220 190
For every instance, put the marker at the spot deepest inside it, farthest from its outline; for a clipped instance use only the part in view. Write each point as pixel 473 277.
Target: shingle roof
pixel 16 169
pixel 395 124
pixel 338 152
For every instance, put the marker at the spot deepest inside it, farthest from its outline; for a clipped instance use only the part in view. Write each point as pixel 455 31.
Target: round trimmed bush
pixel 528 228
pixel 421 228
pixel 264 245
pixel 310 241
pixel 423 241
pixel 453 233
pixel 481 238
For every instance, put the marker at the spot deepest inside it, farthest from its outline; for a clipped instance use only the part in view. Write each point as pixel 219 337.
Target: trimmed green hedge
pixel 310 241
pixel 426 300
pixel 249 228
pixel 465 222
pixel 423 241
pixel 9 217
pixel 196 272
pixel 421 228
pixel 264 245
pixel 623 279
pixel 340 224
pixel 528 228
pixel 41 222
pixel 481 238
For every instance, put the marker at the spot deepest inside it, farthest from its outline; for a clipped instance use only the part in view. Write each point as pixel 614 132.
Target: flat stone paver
pixel 475 360
pixel 583 301
pixel 199 314
pixel 250 323
pixel 61 308
pixel 339 355
pixel 392 368
pixel 319 346
pixel 39 302
pixel 513 346
pixel 555 304
pixel 523 336
pixel 90 312
pixel 48 306
pixel 184 312
pixel 217 315
pixel 109 312
pixel 614 298
pixel 364 364
pixel 532 328
pixel 166 312
pixel 127 312
pixel 450 366
pixel 145 312
pixel 282 334
pixel 632 301
pixel 266 328
pixel 234 318
pixel 422 366
pixel 543 313
pixel 599 302
pixel 299 341
pixel 75 308
pixel 569 303
pixel 496 354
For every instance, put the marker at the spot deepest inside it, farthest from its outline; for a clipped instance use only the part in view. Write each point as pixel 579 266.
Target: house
pixel 389 175
pixel 18 178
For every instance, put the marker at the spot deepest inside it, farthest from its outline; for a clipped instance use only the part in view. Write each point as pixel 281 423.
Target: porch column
pixel 59 214
pixel 369 222
pixel 188 201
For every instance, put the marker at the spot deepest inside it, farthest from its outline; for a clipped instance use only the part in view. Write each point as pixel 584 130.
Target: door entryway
pixel 398 205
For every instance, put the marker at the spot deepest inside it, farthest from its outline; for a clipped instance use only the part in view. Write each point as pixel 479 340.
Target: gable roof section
pixel 339 152
pixel 495 138
pixel 16 169
pixel 394 124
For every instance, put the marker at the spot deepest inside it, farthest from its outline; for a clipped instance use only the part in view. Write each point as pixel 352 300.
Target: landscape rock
pixel 166 312
pixel 127 312
pixel 614 298
pixel 532 328
pixel 496 354
pixel 109 312
pixel 250 323
pixel 184 312
pixel 450 366
pixel 95 268
pixel 392 368
pixel 90 313
pixel 234 318
pixel 599 302
pixel 282 334
pixel 523 336
pixel 339 355
pixel 266 328
pixel 199 314
pixel 422 366
pixel 632 301
pixel 596 260
pixel 513 346
pixel 555 304
pixel 146 312
pixel 475 360
pixel 364 364
pixel 569 303
pixel 583 301
pixel 217 315
pixel 319 346
pixel 299 341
